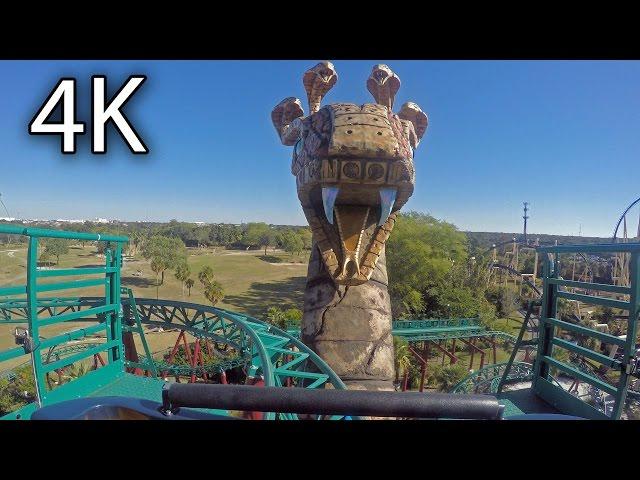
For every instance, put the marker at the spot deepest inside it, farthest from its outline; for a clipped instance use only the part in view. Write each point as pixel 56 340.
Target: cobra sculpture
pixel 354 170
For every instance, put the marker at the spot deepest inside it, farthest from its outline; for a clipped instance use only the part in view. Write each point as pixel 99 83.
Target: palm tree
pixel 182 273
pixel 214 292
pixel 189 283
pixel 206 275
pixel 157 267
pixel 137 239
pixel 402 359
pixel 276 316
pixel 76 370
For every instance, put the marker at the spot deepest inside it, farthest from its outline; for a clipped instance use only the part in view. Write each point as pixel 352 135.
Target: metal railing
pixel 623 298
pixel 437 323
pixel 107 313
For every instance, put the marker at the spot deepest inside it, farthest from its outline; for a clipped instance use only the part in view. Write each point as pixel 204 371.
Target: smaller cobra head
pixel 285 117
pixel 383 84
pixel 317 82
pixel 411 112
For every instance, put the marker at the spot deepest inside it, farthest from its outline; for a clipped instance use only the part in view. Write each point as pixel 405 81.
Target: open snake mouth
pixel 351 223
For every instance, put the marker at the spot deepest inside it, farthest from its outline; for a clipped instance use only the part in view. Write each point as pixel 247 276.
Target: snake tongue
pixel 352 221
pixel 387 199
pixel 329 195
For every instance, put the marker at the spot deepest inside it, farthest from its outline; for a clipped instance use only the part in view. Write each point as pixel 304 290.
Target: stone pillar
pixel 349 327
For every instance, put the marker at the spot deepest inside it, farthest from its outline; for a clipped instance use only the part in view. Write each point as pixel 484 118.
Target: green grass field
pixel 252 283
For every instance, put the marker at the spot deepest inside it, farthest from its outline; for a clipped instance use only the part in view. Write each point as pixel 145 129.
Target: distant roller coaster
pixel 620 271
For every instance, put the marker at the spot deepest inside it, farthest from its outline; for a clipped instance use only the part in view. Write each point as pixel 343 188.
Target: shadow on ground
pixel 270 259
pixel 259 297
pixel 137 282
pixel 274 259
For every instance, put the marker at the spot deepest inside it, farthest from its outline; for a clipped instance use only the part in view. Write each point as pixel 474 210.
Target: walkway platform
pixel 519 402
pixel 129 385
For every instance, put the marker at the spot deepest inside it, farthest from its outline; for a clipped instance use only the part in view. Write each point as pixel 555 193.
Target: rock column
pixel 349 327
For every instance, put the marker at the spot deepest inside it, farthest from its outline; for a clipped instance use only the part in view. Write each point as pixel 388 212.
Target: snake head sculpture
pixel 353 166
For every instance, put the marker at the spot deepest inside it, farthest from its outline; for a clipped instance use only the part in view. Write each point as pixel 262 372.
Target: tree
pixel 307 238
pixel 16 393
pixel 450 375
pixel 224 235
pixel 291 242
pixel 201 236
pixel 402 357
pixel 157 267
pixel 605 315
pixel 214 292
pixel 421 255
pixel 56 247
pixel 45 258
pixel 136 242
pixel 206 275
pixel 431 274
pixel 566 310
pixel 289 318
pixel 259 235
pixel 504 298
pixel 183 272
pixel 189 284
pixel 164 253
pixel 276 316
pixel 292 317
pixel 561 355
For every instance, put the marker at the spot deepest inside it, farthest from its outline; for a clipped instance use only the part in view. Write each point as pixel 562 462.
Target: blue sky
pixel 563 135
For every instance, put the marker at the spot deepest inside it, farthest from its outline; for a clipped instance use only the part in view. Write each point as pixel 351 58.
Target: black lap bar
pixel 331 402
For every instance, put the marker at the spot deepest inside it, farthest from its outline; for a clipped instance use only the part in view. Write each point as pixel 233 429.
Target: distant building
pixel 64 220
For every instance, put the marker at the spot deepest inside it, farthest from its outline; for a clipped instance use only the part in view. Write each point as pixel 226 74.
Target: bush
pixel 504 298
pixel 289 318
pixel 16 393
pixel 449 376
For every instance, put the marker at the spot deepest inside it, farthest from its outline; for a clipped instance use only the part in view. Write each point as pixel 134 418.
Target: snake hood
pixel 353 166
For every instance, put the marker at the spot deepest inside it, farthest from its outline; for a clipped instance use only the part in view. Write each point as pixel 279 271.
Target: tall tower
pixel 525 217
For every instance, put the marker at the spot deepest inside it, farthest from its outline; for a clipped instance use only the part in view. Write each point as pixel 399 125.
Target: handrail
pixel 593 300
pixel 107 313
pixel 440 322
pixel 580 330
pixel 46 232
pixel 591 248
pixel 330 401
pixel 548 338
pixel 600 287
